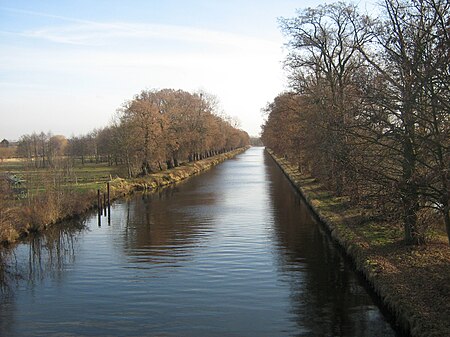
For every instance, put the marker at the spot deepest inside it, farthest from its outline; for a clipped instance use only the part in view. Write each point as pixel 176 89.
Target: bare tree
pixel 323 58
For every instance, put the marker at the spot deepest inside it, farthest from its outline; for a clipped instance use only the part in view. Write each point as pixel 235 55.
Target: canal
pixel 230 252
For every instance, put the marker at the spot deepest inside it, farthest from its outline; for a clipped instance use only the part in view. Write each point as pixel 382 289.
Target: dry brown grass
pixel 54 201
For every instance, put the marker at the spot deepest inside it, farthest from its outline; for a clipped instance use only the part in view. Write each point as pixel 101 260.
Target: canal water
pixel 230 252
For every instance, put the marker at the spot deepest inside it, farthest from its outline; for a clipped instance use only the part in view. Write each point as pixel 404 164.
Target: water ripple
pixel 231 252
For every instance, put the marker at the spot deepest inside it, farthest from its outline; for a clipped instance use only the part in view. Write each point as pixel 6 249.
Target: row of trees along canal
pixel 155 130
pixel 368 113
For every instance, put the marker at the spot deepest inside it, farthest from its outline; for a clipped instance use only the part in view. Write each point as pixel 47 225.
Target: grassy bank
pixel 412 281
pixel 20 217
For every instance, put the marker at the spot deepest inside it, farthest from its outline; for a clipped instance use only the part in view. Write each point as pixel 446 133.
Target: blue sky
pixel 67 66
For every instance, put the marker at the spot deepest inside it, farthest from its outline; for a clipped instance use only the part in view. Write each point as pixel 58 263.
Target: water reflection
pixel 6 275
pixel 327 299
pixel 166 226
pixel 228 253
pixel 41 256
pixel 50 253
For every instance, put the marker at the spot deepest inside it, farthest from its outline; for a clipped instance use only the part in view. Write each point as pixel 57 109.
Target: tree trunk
pixel 447 221
pixel 413 236
pixel 145 168
pixel 409 195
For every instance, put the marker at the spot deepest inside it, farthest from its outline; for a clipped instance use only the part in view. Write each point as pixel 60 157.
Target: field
pixel 31 198
pixel 82 177
pixel 70 189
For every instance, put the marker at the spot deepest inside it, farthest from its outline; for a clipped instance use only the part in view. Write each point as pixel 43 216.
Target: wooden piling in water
pixel 99 202
pixel 109 202
pixel 99 206
pixel 107 191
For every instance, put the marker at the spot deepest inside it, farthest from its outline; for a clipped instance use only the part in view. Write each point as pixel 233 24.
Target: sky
pixel 67 66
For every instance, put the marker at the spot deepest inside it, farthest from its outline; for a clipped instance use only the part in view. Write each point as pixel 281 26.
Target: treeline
pixel 155 130
pixel 368 113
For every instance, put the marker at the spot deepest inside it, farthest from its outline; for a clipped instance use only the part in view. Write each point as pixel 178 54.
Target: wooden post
pixel 104 204
pixel 99 206
pixel 99 202
pixel 109 199
pixel 109 202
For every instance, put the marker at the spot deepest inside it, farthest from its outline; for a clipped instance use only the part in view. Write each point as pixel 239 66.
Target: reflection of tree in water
pixel 326 297
pixel 41 255
pixel 50 253
pixel 160 228
pixel 8 273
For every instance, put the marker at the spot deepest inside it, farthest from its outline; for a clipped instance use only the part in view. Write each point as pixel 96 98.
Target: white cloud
pixel 91 33
pixel 111 59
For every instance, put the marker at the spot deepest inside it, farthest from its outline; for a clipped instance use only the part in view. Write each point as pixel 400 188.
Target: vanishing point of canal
pixel 230 252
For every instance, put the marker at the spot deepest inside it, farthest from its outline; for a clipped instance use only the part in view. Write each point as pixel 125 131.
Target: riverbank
pixel 121 187
pixel 24 217
pixel 413 282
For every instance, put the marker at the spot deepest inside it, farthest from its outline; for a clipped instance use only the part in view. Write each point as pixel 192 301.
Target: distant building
pixel 4 143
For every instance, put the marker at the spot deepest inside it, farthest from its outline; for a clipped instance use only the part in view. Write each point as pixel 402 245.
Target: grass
pixel 89 176
pixel 379 234
pixel 412 281
pixel 55 195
